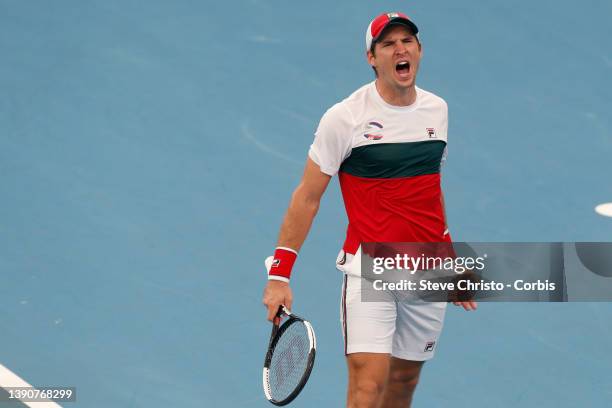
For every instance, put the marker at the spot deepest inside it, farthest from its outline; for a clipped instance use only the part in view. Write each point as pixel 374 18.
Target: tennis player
pixel 386 142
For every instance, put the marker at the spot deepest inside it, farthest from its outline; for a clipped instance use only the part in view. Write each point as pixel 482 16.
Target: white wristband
pixel 278 278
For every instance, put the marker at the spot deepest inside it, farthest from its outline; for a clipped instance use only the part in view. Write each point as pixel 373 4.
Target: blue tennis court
pixel 149 149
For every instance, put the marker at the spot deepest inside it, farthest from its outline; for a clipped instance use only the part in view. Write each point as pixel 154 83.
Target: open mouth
pixel 403 69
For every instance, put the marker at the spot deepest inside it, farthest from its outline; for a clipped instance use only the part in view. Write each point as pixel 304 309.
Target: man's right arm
pixel 296 224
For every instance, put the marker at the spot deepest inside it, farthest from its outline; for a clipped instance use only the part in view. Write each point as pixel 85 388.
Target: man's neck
pixel 394 96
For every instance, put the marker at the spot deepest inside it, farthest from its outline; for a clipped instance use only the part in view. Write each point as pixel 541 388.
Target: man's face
pixel 396 57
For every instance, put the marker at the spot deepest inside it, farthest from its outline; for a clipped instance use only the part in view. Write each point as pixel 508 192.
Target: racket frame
pixel 277 332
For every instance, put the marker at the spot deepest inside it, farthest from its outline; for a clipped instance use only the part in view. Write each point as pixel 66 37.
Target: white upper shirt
pixel 364 118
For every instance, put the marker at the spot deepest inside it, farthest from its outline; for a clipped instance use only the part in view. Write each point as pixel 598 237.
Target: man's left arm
pixel 470 304
pixel 444 214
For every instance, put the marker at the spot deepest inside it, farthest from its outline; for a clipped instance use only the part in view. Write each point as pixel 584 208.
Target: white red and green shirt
pixel 388 161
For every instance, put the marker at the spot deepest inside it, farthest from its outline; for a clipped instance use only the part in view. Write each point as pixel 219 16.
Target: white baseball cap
pixel 383 21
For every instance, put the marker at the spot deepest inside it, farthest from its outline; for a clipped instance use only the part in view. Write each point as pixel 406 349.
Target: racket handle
pixel 283 310
pixel 276 321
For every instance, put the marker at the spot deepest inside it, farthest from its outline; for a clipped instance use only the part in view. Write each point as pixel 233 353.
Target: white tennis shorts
pixel 406 329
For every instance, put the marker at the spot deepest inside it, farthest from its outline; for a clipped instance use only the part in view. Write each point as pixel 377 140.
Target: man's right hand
pixel 275 294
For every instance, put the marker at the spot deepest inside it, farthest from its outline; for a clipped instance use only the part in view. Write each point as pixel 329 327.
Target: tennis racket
pixel 290 357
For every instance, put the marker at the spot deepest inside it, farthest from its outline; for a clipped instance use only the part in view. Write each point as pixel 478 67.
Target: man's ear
pixel 371 58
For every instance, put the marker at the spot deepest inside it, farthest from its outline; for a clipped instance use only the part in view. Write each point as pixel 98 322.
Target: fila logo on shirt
pixel 431 132
pixel 372 131
pixel 429 346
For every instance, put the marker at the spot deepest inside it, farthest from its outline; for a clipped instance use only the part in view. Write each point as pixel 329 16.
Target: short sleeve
pixel 332 142
pixel 445 119
pixel 443 159
pixel 445 132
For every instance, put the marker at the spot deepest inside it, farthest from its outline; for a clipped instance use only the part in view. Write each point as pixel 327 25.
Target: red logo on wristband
pixel 275 263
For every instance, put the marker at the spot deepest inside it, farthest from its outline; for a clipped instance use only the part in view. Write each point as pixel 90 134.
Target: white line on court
pixel 248 135
pixel 604 209
pixel 10 379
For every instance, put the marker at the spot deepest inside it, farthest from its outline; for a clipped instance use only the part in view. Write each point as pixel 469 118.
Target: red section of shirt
pixel 407 209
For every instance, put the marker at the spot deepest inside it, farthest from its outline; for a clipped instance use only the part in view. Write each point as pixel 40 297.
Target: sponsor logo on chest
pixel 373 131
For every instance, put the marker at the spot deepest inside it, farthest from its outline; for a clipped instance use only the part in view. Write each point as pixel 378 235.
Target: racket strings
pixel 289 361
